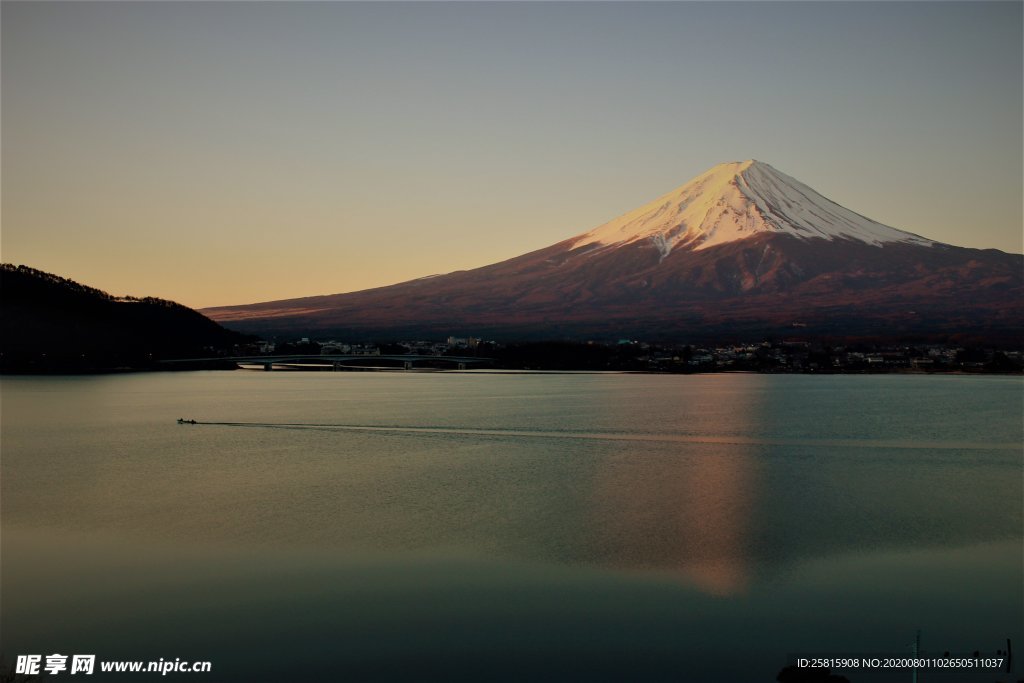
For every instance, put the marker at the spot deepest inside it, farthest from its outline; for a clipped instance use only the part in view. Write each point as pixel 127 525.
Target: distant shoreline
pixel 510 371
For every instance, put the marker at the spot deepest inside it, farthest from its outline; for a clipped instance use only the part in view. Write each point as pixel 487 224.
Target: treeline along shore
pixel 785 355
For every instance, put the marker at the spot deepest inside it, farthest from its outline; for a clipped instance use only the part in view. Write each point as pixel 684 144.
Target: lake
pixel 477 526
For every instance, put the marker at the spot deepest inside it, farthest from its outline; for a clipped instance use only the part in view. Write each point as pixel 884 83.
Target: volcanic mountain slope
pixel 742 249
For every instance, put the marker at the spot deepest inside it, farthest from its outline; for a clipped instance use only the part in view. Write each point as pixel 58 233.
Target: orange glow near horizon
pixel 223 154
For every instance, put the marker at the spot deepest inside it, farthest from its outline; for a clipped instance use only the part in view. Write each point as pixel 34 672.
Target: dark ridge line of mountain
pixel 51 324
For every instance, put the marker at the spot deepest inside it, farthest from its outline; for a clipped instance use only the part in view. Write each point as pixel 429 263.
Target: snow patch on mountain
pixel 733 201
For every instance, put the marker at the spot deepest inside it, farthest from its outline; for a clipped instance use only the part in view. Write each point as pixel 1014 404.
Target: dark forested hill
pixel 52 324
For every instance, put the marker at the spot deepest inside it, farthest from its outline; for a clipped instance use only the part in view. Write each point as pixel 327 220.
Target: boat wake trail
pixel 625 436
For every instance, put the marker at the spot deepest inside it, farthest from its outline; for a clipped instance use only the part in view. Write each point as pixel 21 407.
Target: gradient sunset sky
pixel 221 153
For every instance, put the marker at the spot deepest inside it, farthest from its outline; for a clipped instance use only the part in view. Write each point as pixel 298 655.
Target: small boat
pixel 183 421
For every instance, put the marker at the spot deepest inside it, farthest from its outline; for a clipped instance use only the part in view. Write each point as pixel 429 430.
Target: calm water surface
pixel 463 526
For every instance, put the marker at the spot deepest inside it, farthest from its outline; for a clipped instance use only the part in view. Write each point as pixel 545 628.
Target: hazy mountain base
pixel 766 285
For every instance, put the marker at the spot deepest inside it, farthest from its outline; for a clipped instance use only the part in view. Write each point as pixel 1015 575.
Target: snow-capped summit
pixel 736 200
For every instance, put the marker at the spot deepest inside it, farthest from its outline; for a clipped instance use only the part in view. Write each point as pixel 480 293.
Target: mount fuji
pixel 741 250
